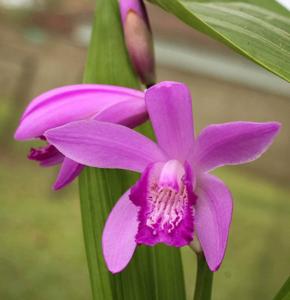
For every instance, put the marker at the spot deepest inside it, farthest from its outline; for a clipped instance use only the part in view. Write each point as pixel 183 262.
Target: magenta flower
pixel 138 39
pixel 76 102
pixel 175 195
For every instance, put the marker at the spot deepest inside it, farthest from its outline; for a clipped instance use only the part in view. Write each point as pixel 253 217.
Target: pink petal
pixel 170 109
pixel 105 145
pixel 232 143
pixel 46 155
pixel 213 218
pixel 119 234
pixel 52 161
pixel 70 103
pixel 68 172
pixel 128 113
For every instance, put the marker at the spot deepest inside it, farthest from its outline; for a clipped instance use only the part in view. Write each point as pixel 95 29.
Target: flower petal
pixel 105 145
pixel 170 110
pixel 52 161
pixel 128 113
pixel 119 234
pixel 68 172
pixel 70 103
pixel 232 143
pixel 213 218
pixel 46 156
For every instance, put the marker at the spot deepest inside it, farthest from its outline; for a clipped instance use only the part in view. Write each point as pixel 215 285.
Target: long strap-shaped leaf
pixel 284 292
pixel 259 30
pixel 154 273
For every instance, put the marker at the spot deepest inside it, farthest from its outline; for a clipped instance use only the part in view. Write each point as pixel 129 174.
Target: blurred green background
pixel 43 45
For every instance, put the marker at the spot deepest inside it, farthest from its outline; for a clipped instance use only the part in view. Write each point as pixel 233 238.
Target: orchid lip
pixel 164 194
pixel 169 197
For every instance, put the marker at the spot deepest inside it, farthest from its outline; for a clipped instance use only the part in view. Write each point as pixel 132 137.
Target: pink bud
pixel 138 38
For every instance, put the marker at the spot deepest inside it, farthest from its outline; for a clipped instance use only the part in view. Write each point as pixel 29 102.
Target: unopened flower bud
pixel 138 39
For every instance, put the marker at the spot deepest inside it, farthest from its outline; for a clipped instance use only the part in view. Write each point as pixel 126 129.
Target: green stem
pixel 204 279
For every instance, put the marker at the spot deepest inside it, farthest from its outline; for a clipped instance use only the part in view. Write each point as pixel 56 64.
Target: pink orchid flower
pixel 71 103
pixel 175 195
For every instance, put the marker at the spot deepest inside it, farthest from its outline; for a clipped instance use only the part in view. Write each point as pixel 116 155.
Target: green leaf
pixel 204 279
pixel 259 30
pixel 284 293
pixel 154 273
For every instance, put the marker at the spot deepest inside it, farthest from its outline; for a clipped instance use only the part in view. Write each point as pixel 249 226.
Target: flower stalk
pixel 204 279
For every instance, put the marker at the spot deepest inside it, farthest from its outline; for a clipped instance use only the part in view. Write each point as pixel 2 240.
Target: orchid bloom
pixel 138 38
pixel 175 196
pixel 71 103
